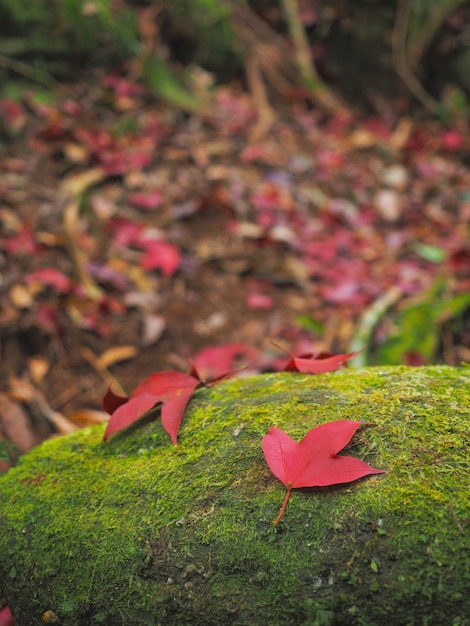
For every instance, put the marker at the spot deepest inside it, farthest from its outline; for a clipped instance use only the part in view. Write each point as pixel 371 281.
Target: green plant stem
pixel 27 71
pixel 368 321
pixel 305 63
pixel 299 38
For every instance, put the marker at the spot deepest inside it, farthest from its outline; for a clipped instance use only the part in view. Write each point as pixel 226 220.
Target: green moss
pixel 140 532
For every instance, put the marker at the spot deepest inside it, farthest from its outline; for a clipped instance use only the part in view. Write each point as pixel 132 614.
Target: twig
pixel 432 16
pixel 59 421
pixel 266 114
pixel 454 517
pixel 103 371
pixel 70 194
pixel 270 49
pixel 23 391
pixel 25 70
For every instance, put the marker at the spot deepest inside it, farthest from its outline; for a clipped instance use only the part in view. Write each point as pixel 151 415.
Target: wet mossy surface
pixel 139 532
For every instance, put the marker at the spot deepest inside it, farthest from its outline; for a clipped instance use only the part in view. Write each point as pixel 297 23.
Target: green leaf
pixel 163 82
pixel 433 254
pixel 307 322
pixel 417 327
pixel 374 566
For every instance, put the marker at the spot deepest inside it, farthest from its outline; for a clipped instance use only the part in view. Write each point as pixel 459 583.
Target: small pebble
pixel 388 204
pixel 395 176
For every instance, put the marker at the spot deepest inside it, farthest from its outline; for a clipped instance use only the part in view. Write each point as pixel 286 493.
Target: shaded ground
pixel 133 236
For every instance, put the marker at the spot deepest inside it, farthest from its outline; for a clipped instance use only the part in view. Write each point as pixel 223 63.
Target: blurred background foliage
pixel 403 48
pixel 56 37
pixel 420 330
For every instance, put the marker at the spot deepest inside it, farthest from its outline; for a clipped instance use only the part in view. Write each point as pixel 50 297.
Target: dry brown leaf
pixel 8 315
pixel 78 183
pixel 141 280
pixel 362 139
pixel 76 153
pixel 23 391
pixel 11 220
pixel 15 424
pixel 21 297
pixel 38 368
pixel 116 355
pixel 402 133
pixel 20 390
pixel 52 240
pixel 87 417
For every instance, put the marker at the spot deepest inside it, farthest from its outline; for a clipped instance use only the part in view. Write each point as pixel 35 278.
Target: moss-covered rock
pixel 139 532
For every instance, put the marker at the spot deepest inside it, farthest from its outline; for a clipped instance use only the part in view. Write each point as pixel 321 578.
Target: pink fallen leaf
pixel 172 389
pixel 13 114
pixel 161 255
pixel 314 462
pixel 125 232
pixel 259 301
pixel 253 153
pixel 123 87
pixel 452 140
pixel 48 318
pixel 146 200
pixel 116 160
pixel 21 243
pixel 50 277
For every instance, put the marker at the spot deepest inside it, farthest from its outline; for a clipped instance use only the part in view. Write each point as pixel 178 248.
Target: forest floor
pixel 133 236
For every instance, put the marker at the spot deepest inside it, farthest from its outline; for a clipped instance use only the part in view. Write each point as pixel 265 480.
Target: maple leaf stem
pixel 286 499
pixel 282 348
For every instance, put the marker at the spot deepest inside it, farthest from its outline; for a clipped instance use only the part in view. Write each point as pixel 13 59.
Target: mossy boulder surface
pixel 139 532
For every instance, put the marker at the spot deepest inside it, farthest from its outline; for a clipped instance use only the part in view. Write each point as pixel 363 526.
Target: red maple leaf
pixel 172 389
pixel 146 200
pixel 23 243
pixel 317 364
pixel 214 363
pixel 125 232
pixel 6 618
pixel 314 462
pixel 51 277
pixel 160 255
